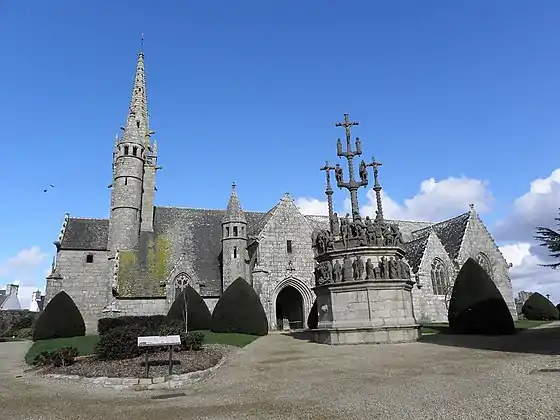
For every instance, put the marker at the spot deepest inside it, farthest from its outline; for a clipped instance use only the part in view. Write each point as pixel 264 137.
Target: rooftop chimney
pixel 12 289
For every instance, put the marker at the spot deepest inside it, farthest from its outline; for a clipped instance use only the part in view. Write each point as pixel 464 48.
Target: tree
pixel 239 310
pixel 61 318
pixel 551 239
pixel 476 305
pixel 198 314
pixel 313 318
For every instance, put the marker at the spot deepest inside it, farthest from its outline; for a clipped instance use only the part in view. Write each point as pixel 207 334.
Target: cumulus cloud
pixel 435 201
pixel 25 269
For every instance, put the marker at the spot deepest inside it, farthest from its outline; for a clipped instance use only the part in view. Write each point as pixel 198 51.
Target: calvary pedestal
pixel 363 284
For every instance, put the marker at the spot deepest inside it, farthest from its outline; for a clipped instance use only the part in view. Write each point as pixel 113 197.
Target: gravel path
pixel 280 377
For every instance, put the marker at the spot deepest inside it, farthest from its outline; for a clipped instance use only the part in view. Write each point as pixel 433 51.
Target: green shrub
pixel 476 305
pixel 198 314
pixel 239 310
pixel 313 318
pixel 11 321
pixel 61 318
pixel 192 340
pixel 172 328
pixel 558 307
pixel 150 323
pixel 539 308
pixel 64 356
pixel 120 343
pixel 24 333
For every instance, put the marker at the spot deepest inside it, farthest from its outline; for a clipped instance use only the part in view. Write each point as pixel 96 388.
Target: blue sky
pixel 249 91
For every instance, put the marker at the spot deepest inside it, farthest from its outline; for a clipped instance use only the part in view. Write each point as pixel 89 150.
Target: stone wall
pixel 477 239
pixel 287 223
pixel 211 303
pixel 140 307
pixel 88 284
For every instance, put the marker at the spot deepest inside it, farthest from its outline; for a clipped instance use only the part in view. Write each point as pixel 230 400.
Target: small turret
pixel 234 241
pixel 129 157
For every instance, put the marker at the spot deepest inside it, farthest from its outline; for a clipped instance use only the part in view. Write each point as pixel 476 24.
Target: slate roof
pixel 2 299
pixel 85 234
pixel 450 233
pixel 415 251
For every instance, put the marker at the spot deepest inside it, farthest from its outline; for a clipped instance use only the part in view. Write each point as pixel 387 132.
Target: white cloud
pixel 312 206
pixel 26 269
pixel 436 200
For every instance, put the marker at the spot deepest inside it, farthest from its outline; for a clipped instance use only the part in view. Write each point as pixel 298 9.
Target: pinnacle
pixel 234 213
pixel 137 123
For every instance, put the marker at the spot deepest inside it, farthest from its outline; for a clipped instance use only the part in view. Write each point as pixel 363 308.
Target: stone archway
pixel 306 295
pixel 289 309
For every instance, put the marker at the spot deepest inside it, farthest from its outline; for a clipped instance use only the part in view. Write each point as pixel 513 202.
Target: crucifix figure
pixel 291 267
pixel 352 185
pixel 329 192
pixel 377 187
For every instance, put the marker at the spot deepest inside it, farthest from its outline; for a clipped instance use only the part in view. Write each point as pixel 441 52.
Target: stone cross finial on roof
pixel 471 206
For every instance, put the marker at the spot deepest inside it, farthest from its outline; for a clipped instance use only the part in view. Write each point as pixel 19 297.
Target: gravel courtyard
pixel 282 377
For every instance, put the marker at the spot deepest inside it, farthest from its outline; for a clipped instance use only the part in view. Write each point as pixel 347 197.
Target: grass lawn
pixel 437 328
pixel 86 344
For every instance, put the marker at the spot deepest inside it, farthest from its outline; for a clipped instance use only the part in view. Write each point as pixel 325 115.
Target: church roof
pixel 415 251
pixel 85 234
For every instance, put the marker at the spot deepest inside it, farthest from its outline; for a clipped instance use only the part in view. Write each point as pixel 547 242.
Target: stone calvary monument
pixel 362 282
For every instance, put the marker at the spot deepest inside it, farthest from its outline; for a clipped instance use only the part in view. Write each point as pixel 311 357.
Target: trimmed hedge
pixel 12 321
pixel 313 318
pixel 539 308
pixel 476 305
pixel 198 314
pixel 239 310
pixel 60 319
pixel 151 323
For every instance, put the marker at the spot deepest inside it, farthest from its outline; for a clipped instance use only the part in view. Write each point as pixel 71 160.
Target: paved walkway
pixel 281 377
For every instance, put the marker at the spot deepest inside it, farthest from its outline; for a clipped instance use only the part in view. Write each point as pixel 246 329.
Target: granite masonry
pixel 136 261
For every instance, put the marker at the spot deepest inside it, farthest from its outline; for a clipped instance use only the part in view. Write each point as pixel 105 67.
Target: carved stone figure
pixel 396 235
pixel 377 271
pixel 336 225
pixel 370 273
pixel 404 269
pixel 370 236
pixel 385 268
pixel 337 272
pixel 393 269
pixel 345 229
pixel 358 267
pixel 363 171
pixel 323 241
pixel 338 173
pixel 378 234
pixel 386 232
pixel 323 273
pixel 347 269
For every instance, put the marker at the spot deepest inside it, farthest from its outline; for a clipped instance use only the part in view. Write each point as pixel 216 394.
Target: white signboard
pixel 159 340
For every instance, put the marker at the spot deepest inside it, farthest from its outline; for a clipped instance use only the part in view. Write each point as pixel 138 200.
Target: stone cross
pixel 377 187
pixel 329 192
pixel 352 185
pixel 291 267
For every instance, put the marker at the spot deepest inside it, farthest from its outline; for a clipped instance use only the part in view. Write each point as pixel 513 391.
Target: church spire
pixel 234 213
pixel 137 122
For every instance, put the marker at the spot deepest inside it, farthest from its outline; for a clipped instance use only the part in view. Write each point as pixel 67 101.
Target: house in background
pixel 37 301
pixel 9 298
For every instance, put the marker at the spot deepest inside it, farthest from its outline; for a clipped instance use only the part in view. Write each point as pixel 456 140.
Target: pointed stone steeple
pixel 137 122
pixel 234 213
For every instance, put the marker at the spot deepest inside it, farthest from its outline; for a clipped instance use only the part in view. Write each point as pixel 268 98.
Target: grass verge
pixel 443 327
pixel 86 344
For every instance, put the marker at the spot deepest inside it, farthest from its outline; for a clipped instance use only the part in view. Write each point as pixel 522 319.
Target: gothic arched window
pixel 484 262
pixel 181 282
pixel 440 280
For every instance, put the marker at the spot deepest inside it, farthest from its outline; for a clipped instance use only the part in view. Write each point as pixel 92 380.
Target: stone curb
pixel 143 384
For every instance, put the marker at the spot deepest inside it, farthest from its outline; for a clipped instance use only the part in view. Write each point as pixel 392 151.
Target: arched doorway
pixel 289 306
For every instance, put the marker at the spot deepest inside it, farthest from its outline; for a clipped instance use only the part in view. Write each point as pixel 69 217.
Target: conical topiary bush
pixel 476 305
pixel 313 318
pixel 539 308
pixel 198 314
pixel 60 318
pixel 239 310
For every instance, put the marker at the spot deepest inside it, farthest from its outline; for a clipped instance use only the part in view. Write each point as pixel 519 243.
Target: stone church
pixel 137 261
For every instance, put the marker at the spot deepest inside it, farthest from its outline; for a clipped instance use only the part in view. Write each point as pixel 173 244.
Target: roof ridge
pixel 204 208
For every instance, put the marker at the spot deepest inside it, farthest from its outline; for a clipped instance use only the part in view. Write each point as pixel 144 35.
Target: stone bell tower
pixel 363 284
